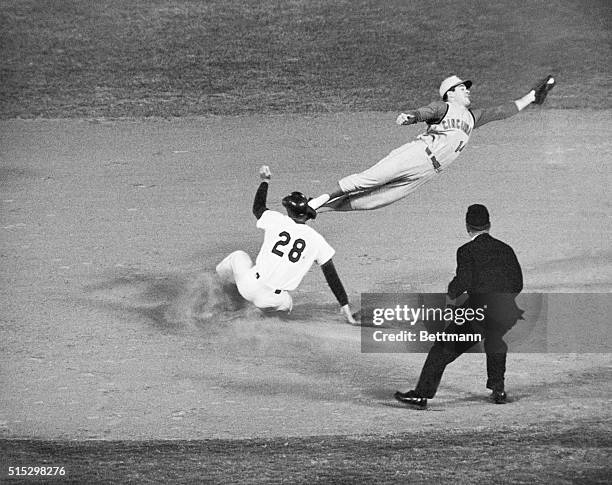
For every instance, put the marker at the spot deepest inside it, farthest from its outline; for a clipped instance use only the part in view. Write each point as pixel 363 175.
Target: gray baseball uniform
pixel 406 168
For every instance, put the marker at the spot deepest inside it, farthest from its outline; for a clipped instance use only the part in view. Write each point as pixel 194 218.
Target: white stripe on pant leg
pixel 387 194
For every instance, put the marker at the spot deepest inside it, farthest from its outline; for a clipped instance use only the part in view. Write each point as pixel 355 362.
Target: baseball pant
pixel 238 268
pixel 394 177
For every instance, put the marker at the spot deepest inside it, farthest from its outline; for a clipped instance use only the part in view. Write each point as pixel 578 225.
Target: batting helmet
pixel 296 204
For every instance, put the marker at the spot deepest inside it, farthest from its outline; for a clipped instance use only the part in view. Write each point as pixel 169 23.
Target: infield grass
pixel 110 58
pixel 546 454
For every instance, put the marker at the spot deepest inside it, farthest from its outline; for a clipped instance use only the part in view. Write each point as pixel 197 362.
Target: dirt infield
pixel 114 327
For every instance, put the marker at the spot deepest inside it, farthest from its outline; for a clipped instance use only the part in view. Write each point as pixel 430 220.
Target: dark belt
pixel 434 161
pixel 278 292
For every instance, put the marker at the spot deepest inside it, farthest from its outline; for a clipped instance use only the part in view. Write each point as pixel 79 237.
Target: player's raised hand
pixel 405 119
pixel 264 172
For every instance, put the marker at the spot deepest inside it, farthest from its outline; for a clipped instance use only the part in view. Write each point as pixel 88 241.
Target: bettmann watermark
pixel 530 322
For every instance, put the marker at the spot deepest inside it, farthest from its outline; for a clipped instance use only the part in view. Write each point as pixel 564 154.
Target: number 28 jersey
pixel 288 251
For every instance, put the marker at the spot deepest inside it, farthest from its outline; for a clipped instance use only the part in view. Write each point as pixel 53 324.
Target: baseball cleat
pixel 318 201
pixel 499 397
pixel 411 398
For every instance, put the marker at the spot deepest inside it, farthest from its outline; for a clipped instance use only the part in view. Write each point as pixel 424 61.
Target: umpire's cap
pixel 477 217
pixel 452 82
pixel 296 204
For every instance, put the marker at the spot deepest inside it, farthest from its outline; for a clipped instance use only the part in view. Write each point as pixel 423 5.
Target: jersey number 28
pixel 295 253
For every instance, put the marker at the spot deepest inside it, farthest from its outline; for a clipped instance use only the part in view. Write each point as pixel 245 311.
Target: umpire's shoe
pixel 411 398
pixel 499 397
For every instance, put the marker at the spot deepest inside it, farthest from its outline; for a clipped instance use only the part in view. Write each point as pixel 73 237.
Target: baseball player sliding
pixel 287 253
pixel 450 123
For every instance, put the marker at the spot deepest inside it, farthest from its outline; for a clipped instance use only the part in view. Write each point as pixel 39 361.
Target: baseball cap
pixel 452 82
pixel 477 217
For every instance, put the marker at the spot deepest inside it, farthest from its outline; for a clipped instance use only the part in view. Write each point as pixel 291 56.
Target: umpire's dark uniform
pixel 488 270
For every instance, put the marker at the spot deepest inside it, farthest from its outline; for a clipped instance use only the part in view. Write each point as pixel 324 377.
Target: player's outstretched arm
pixel 537 95
pixel 433 112
pixel 542 88
pixel 333 280
pixel 259 204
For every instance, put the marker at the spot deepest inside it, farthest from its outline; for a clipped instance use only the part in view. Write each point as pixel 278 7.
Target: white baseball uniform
pixel 286 255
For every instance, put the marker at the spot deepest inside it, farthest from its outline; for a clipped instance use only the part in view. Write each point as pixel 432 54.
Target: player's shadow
pixel 407 407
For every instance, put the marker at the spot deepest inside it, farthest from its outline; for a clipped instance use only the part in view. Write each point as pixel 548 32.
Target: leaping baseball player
pixel 450 123
pixel 287 253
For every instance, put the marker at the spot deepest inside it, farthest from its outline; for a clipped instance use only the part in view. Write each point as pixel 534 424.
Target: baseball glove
pixel 542 88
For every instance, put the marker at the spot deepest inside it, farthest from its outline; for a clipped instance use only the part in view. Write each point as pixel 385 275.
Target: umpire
pixel 488 270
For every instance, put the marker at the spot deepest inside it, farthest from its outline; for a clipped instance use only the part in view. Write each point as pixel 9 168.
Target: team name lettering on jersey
pixel 459 124
pixel 447 137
